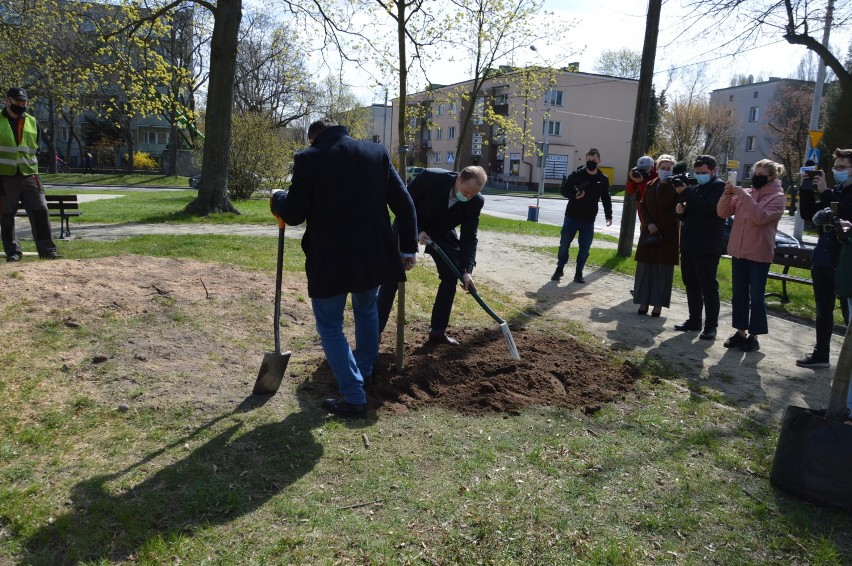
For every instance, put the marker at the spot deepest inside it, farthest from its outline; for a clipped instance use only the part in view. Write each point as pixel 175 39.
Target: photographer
pixel 583 188
pixel 826 253
pixel 700 244
pixel 639 178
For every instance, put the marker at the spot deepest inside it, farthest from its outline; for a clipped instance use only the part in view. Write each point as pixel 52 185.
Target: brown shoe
pixel 442 338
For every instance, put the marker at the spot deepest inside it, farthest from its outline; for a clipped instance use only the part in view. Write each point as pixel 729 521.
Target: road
pixel 552 211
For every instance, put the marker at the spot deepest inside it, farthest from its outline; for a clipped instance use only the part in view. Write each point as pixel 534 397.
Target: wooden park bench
pixel 789 256
pixel 63 206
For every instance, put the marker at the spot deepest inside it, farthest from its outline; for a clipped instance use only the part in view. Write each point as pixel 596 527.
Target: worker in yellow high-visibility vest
pixel 19 180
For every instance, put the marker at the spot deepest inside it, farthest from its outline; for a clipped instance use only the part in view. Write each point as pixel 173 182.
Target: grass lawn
pixel 663 476
pixel 115 179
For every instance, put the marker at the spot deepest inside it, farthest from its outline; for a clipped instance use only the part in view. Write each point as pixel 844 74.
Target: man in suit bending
pixel 444 200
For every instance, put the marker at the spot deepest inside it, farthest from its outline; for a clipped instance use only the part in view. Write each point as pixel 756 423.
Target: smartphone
pixel 732 177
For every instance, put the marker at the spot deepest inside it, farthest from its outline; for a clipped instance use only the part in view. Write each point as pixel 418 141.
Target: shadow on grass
pixel 230 475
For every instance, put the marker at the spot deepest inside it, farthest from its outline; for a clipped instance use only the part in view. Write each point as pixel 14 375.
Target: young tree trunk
pixel 212 192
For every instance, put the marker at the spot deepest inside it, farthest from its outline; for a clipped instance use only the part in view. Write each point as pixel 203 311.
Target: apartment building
pixel 583 110
pixel 751 103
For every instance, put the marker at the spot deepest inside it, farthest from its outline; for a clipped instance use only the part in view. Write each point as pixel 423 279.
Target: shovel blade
pixel 271 373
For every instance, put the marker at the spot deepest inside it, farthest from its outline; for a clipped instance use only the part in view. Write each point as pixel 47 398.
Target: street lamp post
pixel 532 215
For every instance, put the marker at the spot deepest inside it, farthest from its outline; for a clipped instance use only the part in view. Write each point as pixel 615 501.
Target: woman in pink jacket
pixel 756 212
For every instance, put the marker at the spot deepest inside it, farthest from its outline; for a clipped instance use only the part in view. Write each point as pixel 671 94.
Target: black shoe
pixel 49 255
pixel 751 344
pixel 642 311
pixel 813 360
pixel 442 338
pixel 14 257
pixel 578 278
pixel 343 409
pixel 557 275
pixel 708 334
pixel 735 341
pixel 688 325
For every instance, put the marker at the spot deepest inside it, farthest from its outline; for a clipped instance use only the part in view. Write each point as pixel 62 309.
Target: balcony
pixel 501 109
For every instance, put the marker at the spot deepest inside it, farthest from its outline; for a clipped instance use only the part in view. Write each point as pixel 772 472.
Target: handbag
pixel 651 240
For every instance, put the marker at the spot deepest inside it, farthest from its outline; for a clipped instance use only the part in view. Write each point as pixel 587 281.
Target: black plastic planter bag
pixel 813 459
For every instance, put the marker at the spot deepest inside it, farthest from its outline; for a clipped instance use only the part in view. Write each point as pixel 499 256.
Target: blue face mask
pixel 703 178
pixel 840 176
pixel 664 175
pixel 460 197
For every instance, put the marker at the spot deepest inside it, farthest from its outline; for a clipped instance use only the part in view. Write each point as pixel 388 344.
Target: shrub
pixel 142 160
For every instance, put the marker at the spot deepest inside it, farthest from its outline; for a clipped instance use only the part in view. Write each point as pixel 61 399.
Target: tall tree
pixel 787 122
pixel 491 31
pixel 624 63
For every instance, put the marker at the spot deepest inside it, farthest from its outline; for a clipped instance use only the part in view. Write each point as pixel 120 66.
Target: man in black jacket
pixel 701 245
pixel 343 188
pixel 583 188
pixel 812 199
pixel 443 200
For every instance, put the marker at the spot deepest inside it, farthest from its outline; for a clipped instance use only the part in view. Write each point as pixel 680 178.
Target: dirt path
pixel 761 383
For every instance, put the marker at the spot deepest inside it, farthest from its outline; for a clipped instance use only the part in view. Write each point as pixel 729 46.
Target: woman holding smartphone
pixel 756 213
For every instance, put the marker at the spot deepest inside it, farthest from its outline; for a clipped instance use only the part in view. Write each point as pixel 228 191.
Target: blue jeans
pixel 348 367
pixel 748 304
pixel 569 229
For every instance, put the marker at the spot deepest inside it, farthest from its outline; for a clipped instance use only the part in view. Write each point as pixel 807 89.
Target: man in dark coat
pixel 342 188
pixel 444 200
pixel 701 245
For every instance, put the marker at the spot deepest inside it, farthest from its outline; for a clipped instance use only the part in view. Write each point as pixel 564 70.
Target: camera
pixel 683 179
pixel 829 220
pixel 639 172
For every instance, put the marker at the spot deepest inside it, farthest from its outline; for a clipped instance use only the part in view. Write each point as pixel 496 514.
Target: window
pixel 437 157
pixel 451 133
pixel 751 142
pixel 452 108
pixel 747 169
pixel 555 97
pixel 438 134
pixel 501 99
pixel 440 110
pixel 154 138
pixel 429 114
pixel 63 134
pixel 451 156
pixel 753 113
pixel 554 128
pixel 478 111
pixel 755 94
pixel 731 98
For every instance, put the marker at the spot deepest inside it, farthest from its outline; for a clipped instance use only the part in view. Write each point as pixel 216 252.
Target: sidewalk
pixel 761 384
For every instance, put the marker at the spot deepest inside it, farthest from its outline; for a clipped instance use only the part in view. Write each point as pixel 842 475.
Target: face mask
pixel 17 110
pixel 703 178
pixel 840 176
pixel 460 197
pixel 759 181
pixel 591 165
pixel 664 175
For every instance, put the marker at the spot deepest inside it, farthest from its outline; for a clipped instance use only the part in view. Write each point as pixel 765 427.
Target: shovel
pixel 274 363
pixel 504 327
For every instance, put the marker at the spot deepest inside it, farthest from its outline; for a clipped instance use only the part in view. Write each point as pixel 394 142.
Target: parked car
pixel 781 239
pixel 411 171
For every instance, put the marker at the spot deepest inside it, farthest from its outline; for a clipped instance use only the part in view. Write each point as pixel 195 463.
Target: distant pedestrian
pixel 88 162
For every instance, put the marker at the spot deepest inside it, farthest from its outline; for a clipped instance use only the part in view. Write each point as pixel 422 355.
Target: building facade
pixel 583 111
pixel 751 103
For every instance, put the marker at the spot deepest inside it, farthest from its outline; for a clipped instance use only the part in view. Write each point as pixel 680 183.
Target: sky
pixel 615 24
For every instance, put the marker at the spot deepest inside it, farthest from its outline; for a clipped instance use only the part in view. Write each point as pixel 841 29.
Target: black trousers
pixel 443 305
pixel 702 288
pixel 27 190
pixel 823 278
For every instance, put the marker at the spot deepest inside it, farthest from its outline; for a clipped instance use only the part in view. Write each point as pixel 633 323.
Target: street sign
pixel 815 136
pixel 733 164
pixel 813 154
